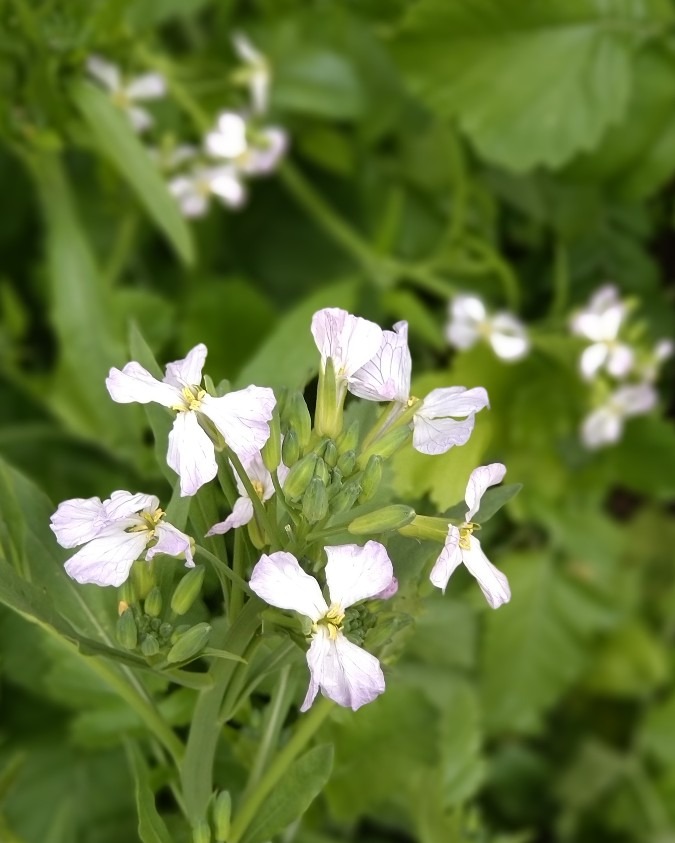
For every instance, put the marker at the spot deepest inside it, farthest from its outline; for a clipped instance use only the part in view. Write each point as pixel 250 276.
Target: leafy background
pixel 524 150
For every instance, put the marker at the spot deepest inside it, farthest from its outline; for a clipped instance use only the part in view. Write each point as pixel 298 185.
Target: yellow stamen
pixel 465 532
pixel 192 398
pixel 332 621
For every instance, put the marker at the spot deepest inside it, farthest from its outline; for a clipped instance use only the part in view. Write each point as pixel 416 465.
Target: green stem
pixel 308 725
pixel 561 280
pixel 238 568
pixel 274 718
pixel 221 567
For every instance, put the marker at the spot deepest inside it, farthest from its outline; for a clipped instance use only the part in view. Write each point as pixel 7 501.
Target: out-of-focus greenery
pixel 522 150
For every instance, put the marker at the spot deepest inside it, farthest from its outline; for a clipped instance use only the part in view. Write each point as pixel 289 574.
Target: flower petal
pixel 227 185
pixel 135 384
pixel 436 436
pixel 122 504
pixel 140 118
pixel 229 138
pixel 635 400
pixel 481 479
pixel 242 417
pixel 107 559
pixel 387 376
pixel 191 454
pixel 242 513
pixel 592 359
pixel 349 340
pixel 620 360
pixel 455 401
pixel 279 580
pixel 78 520
pixel 188 371
pixel 603 426
pixel 149 86
pixel 104 72
pixel 508 337
pixel 389 591
pixel 172 542
pixel 356 573
pixel 492 582
pixel 449 559
pixel 265 156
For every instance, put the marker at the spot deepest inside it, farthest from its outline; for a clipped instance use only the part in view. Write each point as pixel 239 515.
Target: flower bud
pixel 290 450
pixel 222 814
pixel 299 419
pixel 127 631
pixel 372 477
pixel 349 439
pixel 127 593
pixel 153 603
pixel 299 476
pixel 189 644
pixel 149 646
pixel 347 462
pixel 271 450
pixel 330 454
pixel 328 403
pixel 165 631
pixel 315 501
pixel 201 833
pixel 187 591
pixel 346 498
pixel 178 631
pixel 321 471
pixel 387 445
pixel 382 520
pixel 335 483
pixel 143 578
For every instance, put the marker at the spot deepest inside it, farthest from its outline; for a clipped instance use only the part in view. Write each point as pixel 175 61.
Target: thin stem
pixel 275 772
pixel 258 506
pixel 561 280
pixel 274 719
pixel 238 567
pixel 221 567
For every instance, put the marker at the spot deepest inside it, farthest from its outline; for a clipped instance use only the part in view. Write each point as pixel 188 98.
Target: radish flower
pixel 256 72
pixel 604 426
pixel 194 190
pixel 600 322
pixel 251 151
pixel 126 94
pixel 470 322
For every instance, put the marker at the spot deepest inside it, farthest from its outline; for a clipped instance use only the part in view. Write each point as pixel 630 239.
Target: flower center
pixel 332 621
pixel 258 487
pixel 120 99
pixel 465 533
pixel 192 398
pixel 150 521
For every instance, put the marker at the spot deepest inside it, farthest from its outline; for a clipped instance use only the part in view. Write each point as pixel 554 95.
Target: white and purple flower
pixel 471 322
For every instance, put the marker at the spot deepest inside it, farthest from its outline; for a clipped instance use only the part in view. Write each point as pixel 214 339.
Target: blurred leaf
pixel 151 827
pixel 462 767
pixel 657 733
pixel 318 82
pixel 494 499
pixel 151 13
pixel 114 136
pixel 644 460
pixel 633 663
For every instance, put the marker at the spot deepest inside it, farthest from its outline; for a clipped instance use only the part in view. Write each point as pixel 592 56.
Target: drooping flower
pixel 241 418
pixel 114 534
pixel 252 151
pixel 344 672
pixel 470 322
pixel 194 189
pixel 127 94
pixel 600 322
pixel 256 72
pixel 461 545
pixel 604 426
pixel 261 480
pixel 436 425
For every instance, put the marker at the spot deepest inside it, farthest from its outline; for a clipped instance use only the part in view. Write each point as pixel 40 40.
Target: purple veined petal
pixel 603 426
pixel 149 86
pixel 172 542
pixel 122 504
pixel 449 560
pixel 279 580
pixel 492 582
pixel 188 371
pixel 134 384
pixel 242 513
pixel 508 337
pixel 356 573
pixel 348 340
pixel 436 436
pixel 593 358
pixel 191 454
pixel 78 520
pixel 104 72
pixel 242 417
pixel 107 559
pixel 389 591
pixel 387 376
pixel 345 673
pixel 453 401
pixel 140 118
pixel 620 360
pixel 480 480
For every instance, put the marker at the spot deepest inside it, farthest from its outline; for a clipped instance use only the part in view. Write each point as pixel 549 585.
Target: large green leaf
pixel 530 82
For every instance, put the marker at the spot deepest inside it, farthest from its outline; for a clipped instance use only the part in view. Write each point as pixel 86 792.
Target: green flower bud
pixel 315 501
pixel 348 440
pixel 299 476
pixel 153 603
pixel 127 631
pixel 372 477
pixel 346 498
pixel 387 445
pixel 143 578
pixel 222 814
pixel 189 644
pixel 321 471
pixel 347 462
pixel 335 483
pixel 165 631
pixel 290 450
pixel 187 591
pixel 201 833
pixel 330 454
pixel 299 419
pixel 328 403
pixel 271 450
pixel 178 631
pixel 382 520
pixel 128 593
pixel 149 646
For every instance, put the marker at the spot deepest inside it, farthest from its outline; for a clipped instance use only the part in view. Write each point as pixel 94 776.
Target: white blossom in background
pixel 261 480
pixel 126 94
pixel 462 547
pixel 600 322
pixel 444 418
pixel 470 322
pixel 604 426
pixel 193 190
pixel 256 72
pixel 252 151
pixel 114 534
pixel 241 418
pixel 343 672
pixel 651 368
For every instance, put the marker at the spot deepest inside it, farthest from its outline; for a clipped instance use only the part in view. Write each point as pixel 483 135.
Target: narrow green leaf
pixel 151 827
pixel 494 499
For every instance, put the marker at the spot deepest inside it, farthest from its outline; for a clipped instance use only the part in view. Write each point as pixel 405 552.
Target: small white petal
pixel 172 542
pixel 635 400
pixel 188 371
pixel 356 573
pixel 190 453
pixel 265 156
pixel 387 376
pixel 242 513
pixel 492 582
pixel 279 580
pixel 135 384
pixel 603 426
pixel 620 360
pixel 107 559
pixel 436 436
pixel 480 480
pixel 140 118
pixel 462 334
pixel 149 86
pixel 122 504
pixel 349 340
pixel 229 138
pixel 226 184
pixel 601 319
pixel 104 72
pixel 593 359
pixel 448 561
pixel 455 401
pixel 78 520
pixel 468 309
pixel 242 417
pixel 508 337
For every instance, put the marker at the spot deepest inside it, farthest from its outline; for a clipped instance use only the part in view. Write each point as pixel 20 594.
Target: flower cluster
pixel 299 484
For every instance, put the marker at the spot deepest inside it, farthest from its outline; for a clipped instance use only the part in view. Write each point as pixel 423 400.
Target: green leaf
pixel 530 83
pixel 302 783
pixel 318 81
pixel 657 733
pixel 494 499
pixel 151 827
pixel 115 138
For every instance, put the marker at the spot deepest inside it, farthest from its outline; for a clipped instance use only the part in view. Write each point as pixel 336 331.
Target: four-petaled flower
pixel 604 425
pixel 241 417
pixel 461 546
pixel 126 95
pixel 251 151
pixel 600 322
pixel 194 189
pixel 115 533
pixel 470 322
pixel 344 672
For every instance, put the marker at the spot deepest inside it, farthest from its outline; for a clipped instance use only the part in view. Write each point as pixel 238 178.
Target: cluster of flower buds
pixel 470 323
pixel 239 146
pixel 310 498
pixel 617 364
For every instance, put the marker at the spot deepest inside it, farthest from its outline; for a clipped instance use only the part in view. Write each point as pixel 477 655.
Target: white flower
pixel 194 190
pixel 386 377
pixel 600 322
pixel 661 352
pixel 257 73
pixel 348 340
pixel 604 426
pixel 125 95
pixel 241 417
pixel 342 671
pixel 252 152
pixel 115 533
pixel 261 480
pixel 461 546
pixel 470 322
